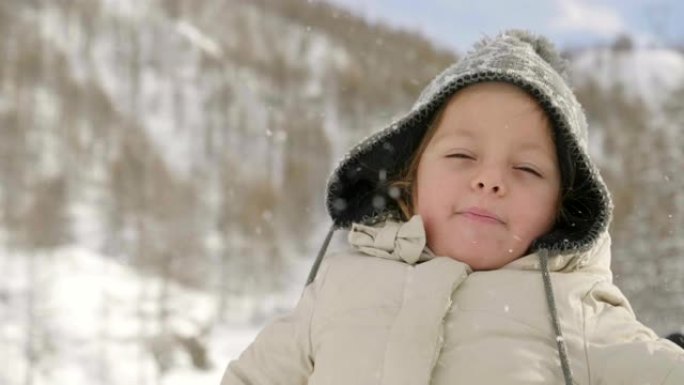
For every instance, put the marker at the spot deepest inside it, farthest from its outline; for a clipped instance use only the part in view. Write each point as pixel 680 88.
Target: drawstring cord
pixel 319 257
pixel 560 341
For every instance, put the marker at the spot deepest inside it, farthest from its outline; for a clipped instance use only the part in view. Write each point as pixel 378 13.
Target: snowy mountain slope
pixel 88 318
pixel 234 97
pixel 193 140
pixel 646 74
pixel 633 99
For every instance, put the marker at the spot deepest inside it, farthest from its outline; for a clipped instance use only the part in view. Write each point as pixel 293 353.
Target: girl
pixel 480 252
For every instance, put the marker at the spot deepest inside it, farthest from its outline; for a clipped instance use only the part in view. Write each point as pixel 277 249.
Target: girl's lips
pixel 481 215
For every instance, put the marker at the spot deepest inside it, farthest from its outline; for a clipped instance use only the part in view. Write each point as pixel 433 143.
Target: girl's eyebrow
pixel 533 147
pixel 467 134
pixel 458 133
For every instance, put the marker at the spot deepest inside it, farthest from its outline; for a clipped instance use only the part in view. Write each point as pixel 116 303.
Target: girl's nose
pixel 489 182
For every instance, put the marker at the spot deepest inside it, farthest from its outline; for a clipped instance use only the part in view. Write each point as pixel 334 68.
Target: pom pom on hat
pixel 542 46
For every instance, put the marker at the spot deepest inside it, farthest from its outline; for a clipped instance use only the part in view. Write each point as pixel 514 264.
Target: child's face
pixel 488 182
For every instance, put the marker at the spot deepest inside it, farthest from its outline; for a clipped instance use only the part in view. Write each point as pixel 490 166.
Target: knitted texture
pixel 358 191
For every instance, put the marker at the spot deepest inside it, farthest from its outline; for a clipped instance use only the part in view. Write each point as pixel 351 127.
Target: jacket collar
pixel 399 241
pixel 406 241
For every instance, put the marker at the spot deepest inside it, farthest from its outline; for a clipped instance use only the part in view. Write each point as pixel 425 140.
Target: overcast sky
pixel 569 23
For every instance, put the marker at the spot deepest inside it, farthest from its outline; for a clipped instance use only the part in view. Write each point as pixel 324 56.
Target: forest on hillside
pixel 191 142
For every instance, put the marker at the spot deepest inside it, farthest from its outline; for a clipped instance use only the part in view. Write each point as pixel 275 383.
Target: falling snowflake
pixel 340 204
pixel 379 202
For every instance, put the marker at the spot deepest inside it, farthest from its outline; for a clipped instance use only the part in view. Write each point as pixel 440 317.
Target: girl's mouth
pixel 481 215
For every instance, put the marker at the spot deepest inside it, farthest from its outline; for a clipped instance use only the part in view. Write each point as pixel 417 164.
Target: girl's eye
pixel 530 171
pixel 460 155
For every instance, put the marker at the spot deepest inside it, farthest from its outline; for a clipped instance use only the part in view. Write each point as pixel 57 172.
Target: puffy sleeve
pixel 621 350
pixel 281 354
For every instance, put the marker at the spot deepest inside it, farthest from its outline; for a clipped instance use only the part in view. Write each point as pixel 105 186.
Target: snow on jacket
pixel 389 312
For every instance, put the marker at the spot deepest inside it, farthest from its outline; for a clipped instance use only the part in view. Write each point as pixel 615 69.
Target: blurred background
pixel 163 162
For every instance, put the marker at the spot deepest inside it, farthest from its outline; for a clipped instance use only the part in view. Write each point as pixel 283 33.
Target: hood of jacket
pixel 359 191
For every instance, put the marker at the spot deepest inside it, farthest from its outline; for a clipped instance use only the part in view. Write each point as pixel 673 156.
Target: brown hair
pixel 401 189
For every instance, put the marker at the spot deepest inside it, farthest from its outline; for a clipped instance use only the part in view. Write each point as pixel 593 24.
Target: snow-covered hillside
pixel 646 74
pixel 82 314
pixel 161 190
pixel 87 318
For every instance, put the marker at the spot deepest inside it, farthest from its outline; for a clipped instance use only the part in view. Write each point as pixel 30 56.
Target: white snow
pixel 199 39
pixel 95 317
pixel 647 74
pixel 584 16
pixel 128 9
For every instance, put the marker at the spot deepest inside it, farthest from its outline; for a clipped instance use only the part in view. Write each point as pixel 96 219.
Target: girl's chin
pixel 479 256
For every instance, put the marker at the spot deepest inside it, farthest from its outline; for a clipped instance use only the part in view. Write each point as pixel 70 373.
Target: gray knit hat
pixel 358 190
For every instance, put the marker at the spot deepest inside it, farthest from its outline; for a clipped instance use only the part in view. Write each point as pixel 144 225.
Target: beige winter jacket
pixel 391 313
